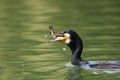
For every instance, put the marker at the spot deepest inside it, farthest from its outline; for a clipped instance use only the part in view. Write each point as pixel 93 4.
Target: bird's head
pixel 66 36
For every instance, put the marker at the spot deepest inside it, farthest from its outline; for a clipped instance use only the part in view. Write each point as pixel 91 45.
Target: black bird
pixel 74 42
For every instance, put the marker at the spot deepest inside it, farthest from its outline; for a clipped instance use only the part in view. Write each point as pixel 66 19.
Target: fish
pixel 52 30
pixel 55 36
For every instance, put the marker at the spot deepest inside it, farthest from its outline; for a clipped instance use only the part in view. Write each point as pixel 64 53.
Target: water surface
pixel 24 53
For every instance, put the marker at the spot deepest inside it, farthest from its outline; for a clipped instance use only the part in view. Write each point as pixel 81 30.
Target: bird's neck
pixel 76 48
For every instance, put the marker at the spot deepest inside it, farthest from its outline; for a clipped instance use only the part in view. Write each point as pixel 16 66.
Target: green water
pixel 24 53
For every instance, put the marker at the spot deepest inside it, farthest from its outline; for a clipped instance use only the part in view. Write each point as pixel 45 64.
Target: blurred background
pixel 25 53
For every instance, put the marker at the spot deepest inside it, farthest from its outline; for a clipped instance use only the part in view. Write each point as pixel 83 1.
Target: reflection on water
pixel 75 74
pixel 24 53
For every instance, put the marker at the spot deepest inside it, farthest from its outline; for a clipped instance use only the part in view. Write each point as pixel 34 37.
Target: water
pixel 24 53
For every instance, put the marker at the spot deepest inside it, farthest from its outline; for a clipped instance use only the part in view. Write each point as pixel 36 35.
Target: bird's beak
pixel 59 37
